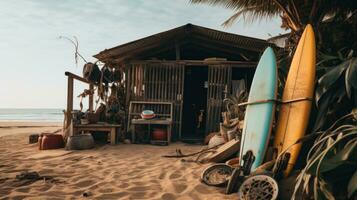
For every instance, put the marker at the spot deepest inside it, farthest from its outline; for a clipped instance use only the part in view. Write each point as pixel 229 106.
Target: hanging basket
pixel 91 72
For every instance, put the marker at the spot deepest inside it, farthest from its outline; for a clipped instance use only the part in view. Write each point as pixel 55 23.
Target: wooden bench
pixel 111 128
pixel 163 112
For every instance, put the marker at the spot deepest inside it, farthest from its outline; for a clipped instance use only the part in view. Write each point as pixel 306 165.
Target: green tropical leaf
pixel 321 192
pixel 326 190
pixel 264 8
pixel 325 58
pixel 331 97
pixel 313 165
pixel 348 153
pixel 326 81
pixel 354 113
pixel 352 185
pixel 351 76
pixel 306 180
pixel 316 188
pixel 334 148
pixel 323 106
pixel 350 54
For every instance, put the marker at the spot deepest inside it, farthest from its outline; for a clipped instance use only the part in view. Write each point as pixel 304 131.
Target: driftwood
pixel 27 178
pixel 76 47
pixel 179 153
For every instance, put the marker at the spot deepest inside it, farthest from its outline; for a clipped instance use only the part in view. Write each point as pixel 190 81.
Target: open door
pixel 195 104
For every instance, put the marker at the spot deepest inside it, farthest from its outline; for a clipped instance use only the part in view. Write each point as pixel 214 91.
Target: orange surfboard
pixel 294 116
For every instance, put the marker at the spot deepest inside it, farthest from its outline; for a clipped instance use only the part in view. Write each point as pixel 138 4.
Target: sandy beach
pixel 18 128
pixel 123 171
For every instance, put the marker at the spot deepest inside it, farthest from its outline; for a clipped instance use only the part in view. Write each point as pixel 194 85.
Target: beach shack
pixel 189 68
pixel 192 67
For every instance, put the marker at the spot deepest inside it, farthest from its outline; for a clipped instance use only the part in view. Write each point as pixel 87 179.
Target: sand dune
pixel 123 171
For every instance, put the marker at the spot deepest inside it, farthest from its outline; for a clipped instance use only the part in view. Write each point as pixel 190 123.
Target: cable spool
pixel 259 187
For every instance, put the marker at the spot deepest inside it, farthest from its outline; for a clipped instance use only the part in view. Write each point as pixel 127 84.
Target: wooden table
pixel 167 122
pixel 111 128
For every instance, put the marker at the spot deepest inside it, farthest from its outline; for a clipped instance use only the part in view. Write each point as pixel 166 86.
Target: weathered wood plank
pixel 69 100
pixel 182 67
pixel 90 98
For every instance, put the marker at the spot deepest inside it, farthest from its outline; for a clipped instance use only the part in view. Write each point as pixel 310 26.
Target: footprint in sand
pixel 183 168
pixel 179 187
pixel 168 196
pixel 124 185
pixel 202 189
pixel 175 175
pixel 162 175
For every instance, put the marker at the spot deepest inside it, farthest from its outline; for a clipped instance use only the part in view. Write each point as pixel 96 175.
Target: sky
pixel 34 59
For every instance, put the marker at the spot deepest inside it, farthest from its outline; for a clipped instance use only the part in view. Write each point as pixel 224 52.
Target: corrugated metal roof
pixel 132 49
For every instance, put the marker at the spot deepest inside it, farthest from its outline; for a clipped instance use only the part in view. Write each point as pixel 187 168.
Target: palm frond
pixel 256 10
pixel 249 15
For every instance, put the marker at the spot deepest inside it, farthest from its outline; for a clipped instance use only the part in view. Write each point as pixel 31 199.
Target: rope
pixel 270 100
pixel 276 101
pixel 198 159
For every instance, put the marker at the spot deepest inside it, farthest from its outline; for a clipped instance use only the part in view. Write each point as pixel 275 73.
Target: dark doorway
pixel 194 103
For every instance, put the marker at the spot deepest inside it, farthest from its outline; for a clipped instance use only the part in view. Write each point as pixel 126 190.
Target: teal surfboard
pixel 259 115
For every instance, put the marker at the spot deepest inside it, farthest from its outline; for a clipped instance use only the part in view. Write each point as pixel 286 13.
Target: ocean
pixel 31 115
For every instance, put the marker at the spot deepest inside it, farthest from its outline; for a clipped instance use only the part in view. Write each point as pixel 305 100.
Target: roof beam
pixel 218 48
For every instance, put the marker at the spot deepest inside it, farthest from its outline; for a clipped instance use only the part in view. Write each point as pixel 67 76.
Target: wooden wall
pixel 158 82
pixel 164 82
pixel 219 79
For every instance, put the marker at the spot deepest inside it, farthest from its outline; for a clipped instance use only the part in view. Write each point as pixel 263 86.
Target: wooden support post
pixel 182 86
pixel 69 100
pixel 112 136
pixel 91 87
